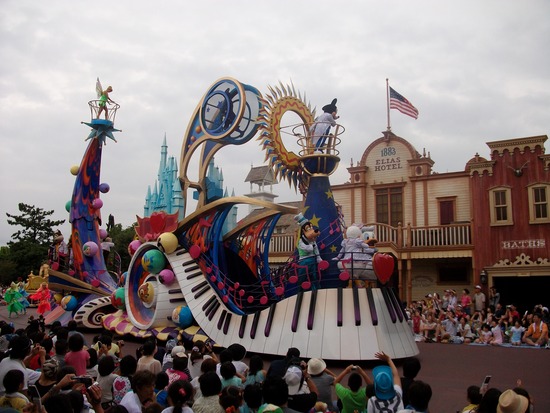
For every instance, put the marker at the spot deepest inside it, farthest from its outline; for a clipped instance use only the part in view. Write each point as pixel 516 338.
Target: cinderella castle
pixel 167 192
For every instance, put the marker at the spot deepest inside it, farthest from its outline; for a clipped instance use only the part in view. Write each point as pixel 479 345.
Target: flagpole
pixel 388 103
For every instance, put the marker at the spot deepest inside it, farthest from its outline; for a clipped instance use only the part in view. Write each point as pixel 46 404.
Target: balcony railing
pixel 399 238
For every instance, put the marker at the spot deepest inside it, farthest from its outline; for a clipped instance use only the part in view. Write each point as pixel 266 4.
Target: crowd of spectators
pixel 58 371
pixel 467 318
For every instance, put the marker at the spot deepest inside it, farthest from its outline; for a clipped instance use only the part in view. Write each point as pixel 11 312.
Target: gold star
pixel 333 248
pixel 315 221
pixel 329 194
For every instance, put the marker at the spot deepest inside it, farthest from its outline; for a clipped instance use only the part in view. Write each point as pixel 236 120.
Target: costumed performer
pixel 42 295
pixel 320 129
pixel 308 252
pixel 24 294
pixel 13 298
pixel 103 99
pixel 355 256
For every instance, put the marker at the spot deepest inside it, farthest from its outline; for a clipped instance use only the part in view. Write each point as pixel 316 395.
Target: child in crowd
pixel 77 356
pixel 179 394
pixel 485 335
pixel 256 373
pixel 230 376
pixel 517 330
pixel 161 389
pixel 14 398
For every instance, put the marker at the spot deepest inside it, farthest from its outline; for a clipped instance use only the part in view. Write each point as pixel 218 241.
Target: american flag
pixel 402 104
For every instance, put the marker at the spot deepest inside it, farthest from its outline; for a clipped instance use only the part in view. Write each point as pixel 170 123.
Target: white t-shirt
pixel 30 376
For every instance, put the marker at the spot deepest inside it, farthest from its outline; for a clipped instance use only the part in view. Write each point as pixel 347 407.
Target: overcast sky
pixel 477 71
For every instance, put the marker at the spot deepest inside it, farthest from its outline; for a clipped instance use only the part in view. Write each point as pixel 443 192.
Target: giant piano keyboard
pixel 337 324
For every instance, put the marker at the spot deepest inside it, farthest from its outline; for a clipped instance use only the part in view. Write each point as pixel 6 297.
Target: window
pixel 500 202
pixel 446 211
pixel 539 209
pixel 389 205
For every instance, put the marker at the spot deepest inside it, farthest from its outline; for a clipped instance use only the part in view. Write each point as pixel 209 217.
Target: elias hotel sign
pixel 388 160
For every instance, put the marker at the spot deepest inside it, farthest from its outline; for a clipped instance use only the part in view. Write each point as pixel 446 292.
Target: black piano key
pixel 193 268
pixel 174 291
pixel 396 304
pixel 340 307
pixel 222 319
pixel 213 310
pixel 194 275
pixel 177 300
pixel 186 263
pixel 356 308
pixel 372 307
pixel 227 323
pixel 389 304
pixel 269 320
pixel 296 315
pixel 208 302
pixel 242 326
pixel 311 313
pixel 200 292
pixel 254 325
pixel 199 286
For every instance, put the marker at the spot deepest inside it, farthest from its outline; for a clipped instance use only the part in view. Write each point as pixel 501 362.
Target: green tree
pixel 29 246
pixel 122 238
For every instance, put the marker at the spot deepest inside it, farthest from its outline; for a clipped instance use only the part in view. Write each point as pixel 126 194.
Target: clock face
pixel 419 170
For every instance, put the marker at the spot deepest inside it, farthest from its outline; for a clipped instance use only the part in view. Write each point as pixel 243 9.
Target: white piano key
pixel 287 337
pixel 349 333
pixel 258 342
pixel 367 331
pixel 276 332
pixel 332 341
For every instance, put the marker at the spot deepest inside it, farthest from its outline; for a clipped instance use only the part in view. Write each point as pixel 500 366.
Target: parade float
pixel 191 277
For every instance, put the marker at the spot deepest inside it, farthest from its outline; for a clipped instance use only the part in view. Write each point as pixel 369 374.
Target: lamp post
pixel 483 277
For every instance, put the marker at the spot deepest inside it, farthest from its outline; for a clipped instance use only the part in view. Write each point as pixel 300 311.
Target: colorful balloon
pixel 167 277
pixel 68 205
pixel 167 242
pixel 57 297
pixel 97 203
pixel 118 300
pixel 103 233
pixel 104 188
pixel 146 293
pixel 182 316
pixel 90 249
pixel 122 279
pixel 74 170
pixel 133 247
pixel 69 303
pixel 153 261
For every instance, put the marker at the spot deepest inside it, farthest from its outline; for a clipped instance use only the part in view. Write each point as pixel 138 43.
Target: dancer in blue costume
pixel 24 294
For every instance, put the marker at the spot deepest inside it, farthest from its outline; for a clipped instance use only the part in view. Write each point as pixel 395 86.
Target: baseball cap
pixel 293 377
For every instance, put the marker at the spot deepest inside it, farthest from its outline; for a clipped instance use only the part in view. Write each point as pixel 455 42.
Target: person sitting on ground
pixel 464 331
pixel 77 356
pixel 302 391
pixel 497 337
pixel 537 333
pixel 473 395
pixel 200 352
pixel 387 387
pixel 485 335
pixel 231 399
pixel 275 392
pixel 179 394
pixel 13 383
pixel 161 389
pixel 510 401
pixel 230 377
pixel 20 349
pixel 106 378
pixel 516 332
pixel 211 387
pixel 256 372
pixel 323 379
pixel 122 383
pixel 489 401
pixel 411 368
pixel 420 394
pixel 278 367
pixel 353 397
pixel 428 328
pixel 142 393
pixel 179 367
pixel 447 329
pixel 206 366
pixel 147 361
pixel 252 398
pixel 238 352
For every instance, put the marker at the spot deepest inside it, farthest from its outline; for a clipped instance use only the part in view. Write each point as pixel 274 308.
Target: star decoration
pixel 315 221
pixel 329 194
